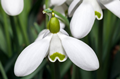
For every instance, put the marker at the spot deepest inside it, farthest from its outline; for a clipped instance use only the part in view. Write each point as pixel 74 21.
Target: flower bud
pixel 12 7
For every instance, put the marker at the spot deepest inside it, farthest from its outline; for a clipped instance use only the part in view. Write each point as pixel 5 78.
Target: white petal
pixel 73 7
pixel 98 10
pixel 114 6
pixel 60 10
pixel 57 2
pixel 31 57
pixel 56 50
pixel 41 34
pixel 79 53
pixel 12 7
pixel 82 20
pixel 64 32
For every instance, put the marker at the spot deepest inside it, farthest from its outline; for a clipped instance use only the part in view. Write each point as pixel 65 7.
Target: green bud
pixel 54 25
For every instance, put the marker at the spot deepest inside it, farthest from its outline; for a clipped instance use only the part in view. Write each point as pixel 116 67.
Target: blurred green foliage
pixel 19 31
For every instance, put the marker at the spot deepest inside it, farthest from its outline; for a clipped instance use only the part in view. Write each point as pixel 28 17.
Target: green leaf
pixel 3 44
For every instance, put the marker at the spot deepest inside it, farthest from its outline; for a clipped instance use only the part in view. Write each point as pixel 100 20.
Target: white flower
pixel 112 5
pixel 57 46
pixel 84 16
pixel 12 7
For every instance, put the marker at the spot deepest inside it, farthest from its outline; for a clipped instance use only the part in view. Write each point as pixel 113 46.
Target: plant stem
pixel 56 70
pixel 6 28
pixel 24 30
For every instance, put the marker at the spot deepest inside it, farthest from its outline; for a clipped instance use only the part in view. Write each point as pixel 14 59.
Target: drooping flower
pixel 112 5
pixel 12 7
pixel 84 13
pixel 57 45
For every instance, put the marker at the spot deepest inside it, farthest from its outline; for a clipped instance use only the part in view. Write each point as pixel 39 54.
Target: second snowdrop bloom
pixel 84 16
pixel 112 5
pixel 57 45
pixel 12 7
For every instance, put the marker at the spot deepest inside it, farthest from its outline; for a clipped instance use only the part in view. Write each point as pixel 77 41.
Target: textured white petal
pixel 97 8
pixel 79 53
pixel 82 20
pixel 73 7
pixel 12 7
pixel 60 10
pixel 56 47
pixel 114 6
pixel 41 34
pixel 31 57
pixel 57 2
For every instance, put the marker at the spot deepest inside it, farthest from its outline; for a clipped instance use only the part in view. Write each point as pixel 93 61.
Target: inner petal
pixel 97 14
pixel 97 9
pixel 56 50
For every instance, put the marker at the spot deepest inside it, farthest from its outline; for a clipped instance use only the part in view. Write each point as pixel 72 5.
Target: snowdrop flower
pixel 12 7
pixel 57 45
pixel 84 13
pixel 112 5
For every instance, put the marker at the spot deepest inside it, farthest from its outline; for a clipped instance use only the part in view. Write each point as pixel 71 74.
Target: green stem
pixel 24 31
pixel 15 38
pixel 3 71
pixel 56 70
pixel 6 29
pixel 46 6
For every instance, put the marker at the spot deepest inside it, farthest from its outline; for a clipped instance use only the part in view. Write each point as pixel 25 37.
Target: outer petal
pixel 57 2
pixel 82 20
pixel 64 32
pixel 41 34
pixel 12 7
pixel 73 7
pixel 61 10
pixel 114 6
pixel 79 53
pixel 31 57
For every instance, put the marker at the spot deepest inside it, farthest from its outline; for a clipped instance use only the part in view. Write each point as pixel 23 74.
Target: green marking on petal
pixel 98 14
pixel 59 55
